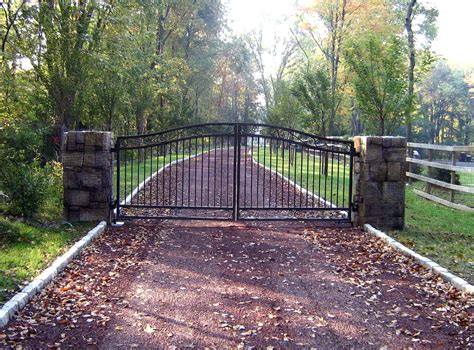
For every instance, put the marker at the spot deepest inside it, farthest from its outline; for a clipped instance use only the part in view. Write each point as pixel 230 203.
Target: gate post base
pixel 87 164
pixel 379 184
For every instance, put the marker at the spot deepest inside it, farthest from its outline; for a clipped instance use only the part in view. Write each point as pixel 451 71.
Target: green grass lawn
pixel 334 187
pixel 459 197
pixel 445 235
pixel 466 179
pixel 26 249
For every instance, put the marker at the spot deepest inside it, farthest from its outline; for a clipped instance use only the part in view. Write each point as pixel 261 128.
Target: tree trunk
pixel 411 67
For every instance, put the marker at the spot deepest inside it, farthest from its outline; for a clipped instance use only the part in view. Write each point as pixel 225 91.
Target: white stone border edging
pixel 20 299
pixel 455 281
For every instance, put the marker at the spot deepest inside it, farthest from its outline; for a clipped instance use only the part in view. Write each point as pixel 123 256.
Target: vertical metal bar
pixel 131 176
pixel 195 173
pixel 251 175
pixel 301 175
pixel 176 173
pixel 117 152
pixel 190 149
pixel 182 172
pixel 157 174
pixel 151 174
pixel 245 171
pixel 295 160
pixel 337 181
pixel 125 173
pixel 258 167
pixel 344 181
pixel 351 160
pixel 276 172
pixel 144 175
pixel 237 179
pixel 319 180
pixel 323 168
pixel 208 175
pixel 270 187
pixel 307 177
pixel 138 174
pixel 221 193
pixel 227 174
pixel 289 172
pixel 170 199
pixel 202 168
pixel 163 177
pixel 283 173
pixel 264 170
pixel 235 184
pixel 312 188
pixel 215 169
pixel 332 175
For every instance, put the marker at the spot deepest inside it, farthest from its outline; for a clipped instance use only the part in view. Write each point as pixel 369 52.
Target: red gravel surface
pixel 218 284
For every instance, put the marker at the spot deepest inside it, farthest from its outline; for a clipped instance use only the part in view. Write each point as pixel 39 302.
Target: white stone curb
pixel 20 299
pixel 455 281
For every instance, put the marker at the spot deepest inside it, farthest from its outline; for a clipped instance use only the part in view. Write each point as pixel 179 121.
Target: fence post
pixel 430 171
pixel 379 184
pixel 453 174
pixel 87 164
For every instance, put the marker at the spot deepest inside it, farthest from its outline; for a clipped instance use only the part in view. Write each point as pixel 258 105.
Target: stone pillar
pixel 379 181
pixel 87 163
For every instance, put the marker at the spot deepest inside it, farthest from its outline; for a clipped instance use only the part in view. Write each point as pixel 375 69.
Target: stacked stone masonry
pixel 87 162
pixel 379 170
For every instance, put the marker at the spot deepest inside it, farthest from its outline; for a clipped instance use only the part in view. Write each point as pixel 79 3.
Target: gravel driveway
pixel 177 284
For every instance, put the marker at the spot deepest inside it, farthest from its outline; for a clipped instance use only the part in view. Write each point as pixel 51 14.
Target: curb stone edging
pixel 455 281
pixel 20 299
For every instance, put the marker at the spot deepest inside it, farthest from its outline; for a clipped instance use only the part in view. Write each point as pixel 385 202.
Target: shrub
pixel 25 185
pixel 53 205
pixel 444 175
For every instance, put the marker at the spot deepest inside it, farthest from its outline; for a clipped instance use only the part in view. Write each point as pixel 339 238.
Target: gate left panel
pixel 182 173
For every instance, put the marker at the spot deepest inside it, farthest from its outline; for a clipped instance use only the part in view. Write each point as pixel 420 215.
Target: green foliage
pixel 446 106
pixel 24 184
pixel 286 109
pixel 379 81
pixel 313 90
pixel 444 175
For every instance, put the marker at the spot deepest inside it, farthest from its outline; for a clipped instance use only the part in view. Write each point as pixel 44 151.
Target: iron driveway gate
pixel 234 171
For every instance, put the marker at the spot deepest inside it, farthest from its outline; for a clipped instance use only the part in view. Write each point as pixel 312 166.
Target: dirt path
pixel 159 284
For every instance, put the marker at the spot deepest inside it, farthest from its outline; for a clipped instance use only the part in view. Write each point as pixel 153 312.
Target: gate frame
pixel 236 207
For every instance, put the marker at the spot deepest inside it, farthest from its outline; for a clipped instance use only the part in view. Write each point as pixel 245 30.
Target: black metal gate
pixel 233 171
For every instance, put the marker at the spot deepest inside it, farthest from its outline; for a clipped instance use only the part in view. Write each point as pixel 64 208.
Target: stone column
pixel 379 181
pixel 87 163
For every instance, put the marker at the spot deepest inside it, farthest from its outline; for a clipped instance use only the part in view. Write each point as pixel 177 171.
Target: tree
pixel 445 106
pixel 379 81
pixel 413 10
pixel 313 90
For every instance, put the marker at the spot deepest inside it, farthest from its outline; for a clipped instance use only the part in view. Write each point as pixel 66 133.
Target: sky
pixel 455 39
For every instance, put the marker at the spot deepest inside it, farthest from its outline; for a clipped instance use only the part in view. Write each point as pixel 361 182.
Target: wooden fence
pixel 448 163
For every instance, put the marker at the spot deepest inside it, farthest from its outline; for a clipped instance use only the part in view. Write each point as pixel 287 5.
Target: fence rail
pixel 446 158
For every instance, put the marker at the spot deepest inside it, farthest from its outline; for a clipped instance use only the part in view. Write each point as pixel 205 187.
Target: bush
pixel 25 185
pixel 444 175
pixel 52 208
